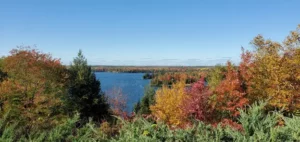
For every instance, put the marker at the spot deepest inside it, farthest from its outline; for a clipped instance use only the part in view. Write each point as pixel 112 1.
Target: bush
pixel 257 125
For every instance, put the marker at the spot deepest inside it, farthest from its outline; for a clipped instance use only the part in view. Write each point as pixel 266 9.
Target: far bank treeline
pixel 147 69
pixel 161 75
pixel 256 100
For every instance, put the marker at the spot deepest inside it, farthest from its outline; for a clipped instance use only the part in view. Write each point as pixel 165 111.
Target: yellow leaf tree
pixel 168 107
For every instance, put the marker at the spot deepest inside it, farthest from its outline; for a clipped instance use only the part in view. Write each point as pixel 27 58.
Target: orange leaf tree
pixel 34 87
pixel 229 95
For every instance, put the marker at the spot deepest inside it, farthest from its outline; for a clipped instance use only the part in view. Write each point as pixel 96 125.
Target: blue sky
pixel 144 32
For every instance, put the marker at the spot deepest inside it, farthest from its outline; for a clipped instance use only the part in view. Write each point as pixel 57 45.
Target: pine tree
pixel 137 107
pixel 143 106
pixel 85 95
pixel 2 74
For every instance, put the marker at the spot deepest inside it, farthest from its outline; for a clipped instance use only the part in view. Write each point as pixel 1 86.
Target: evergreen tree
pixel 143 106
pixel 137 107
pixel 85 95
pixel 2 73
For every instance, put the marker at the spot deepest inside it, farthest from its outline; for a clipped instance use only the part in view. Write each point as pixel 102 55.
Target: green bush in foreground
pixel 257 126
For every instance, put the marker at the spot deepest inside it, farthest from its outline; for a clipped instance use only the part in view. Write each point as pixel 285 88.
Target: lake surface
pixel 132 85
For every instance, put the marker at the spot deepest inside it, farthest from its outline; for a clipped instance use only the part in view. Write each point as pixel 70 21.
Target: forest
pixel 255 100
pixel 147 69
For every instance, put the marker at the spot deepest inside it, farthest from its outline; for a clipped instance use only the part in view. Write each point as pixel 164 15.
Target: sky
pixel 144 32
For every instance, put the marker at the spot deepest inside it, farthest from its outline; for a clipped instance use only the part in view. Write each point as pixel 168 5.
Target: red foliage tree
pixel 230 96
pixel 196 105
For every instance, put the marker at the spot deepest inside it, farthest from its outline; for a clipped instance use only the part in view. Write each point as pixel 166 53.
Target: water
pixel 132 85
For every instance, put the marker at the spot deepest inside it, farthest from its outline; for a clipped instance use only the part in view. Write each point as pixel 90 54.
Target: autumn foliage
pixel 34 88
pixel 38 96
pixel 271 72
pixel 197 103
pixel 169 102
pixel 170 78
pixel 229 94
pixel 117 101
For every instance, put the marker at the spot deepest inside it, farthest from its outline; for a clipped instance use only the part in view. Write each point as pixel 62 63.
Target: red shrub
pixel 230 123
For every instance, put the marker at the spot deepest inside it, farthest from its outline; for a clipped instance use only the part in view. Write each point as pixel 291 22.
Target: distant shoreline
pixel 148 69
